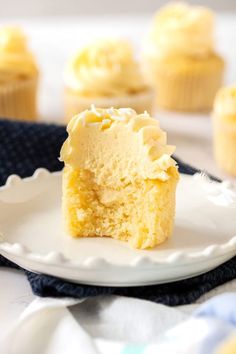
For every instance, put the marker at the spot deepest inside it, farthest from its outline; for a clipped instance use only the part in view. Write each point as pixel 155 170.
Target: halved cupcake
pixel 119 178
pixel 106 74
pixel 18 76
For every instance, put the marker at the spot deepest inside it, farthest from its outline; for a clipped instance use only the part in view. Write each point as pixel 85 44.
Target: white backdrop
pixel 77 7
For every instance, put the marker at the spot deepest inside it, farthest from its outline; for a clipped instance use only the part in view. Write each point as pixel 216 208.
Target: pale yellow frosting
pixel 16 62
pixel 180 28
pixel 225 101
pixel 132 146
pixel 105 68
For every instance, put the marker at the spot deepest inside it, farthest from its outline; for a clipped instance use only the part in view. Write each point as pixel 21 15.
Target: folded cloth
pixel 27 146
pixel 94 326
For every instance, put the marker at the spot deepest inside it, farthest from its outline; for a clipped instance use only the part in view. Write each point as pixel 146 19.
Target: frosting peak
pixel 132 146
pixel 15 59
pixel 225 101
pixel 183 29
pixel 12 40
pixel 105 68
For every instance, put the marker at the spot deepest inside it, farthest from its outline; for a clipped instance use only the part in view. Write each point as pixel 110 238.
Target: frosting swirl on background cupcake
pixel 16 62
pixel 105 68
pixel 225 101
pixel 182 29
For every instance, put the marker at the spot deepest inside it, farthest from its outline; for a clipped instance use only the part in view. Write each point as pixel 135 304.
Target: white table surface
pixel 53 41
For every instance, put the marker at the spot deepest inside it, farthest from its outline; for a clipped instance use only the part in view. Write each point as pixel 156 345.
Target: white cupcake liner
pixel 18 99
pixel 191 90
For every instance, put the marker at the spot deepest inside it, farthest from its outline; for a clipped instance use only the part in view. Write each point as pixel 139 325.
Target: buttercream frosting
pixel 180 28
pixel 16 62
pixel 96 141
pixel 105 68
pixel 225 101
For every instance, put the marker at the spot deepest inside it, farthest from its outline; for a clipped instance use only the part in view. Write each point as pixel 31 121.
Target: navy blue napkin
pixel 27 146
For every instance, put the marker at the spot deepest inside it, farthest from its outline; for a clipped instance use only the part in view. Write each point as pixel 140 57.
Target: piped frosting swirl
pixel 183 29
pixel 225 102
pixel 132 146
pixel 16 61
pixel 105 68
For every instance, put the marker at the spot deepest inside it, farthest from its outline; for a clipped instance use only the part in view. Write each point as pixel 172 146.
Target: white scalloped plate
pixel 32 235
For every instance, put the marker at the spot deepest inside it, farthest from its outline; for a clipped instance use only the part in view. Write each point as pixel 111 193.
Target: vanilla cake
pixel 119 178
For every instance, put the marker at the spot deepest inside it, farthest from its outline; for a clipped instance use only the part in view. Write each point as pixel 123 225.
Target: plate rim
pixel 121 283
pixel 143 261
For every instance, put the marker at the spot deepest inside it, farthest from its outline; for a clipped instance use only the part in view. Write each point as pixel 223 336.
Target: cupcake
pixel 119 178
pixel 180 58
pixel 224 129
pixel 18 76
pixel 105 74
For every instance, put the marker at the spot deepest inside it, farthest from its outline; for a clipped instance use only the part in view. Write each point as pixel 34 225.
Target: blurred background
pixel 76 7
pixel 58 28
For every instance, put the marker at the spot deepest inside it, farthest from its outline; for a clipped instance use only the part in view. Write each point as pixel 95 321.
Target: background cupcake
pixel 105 74
pixel 18 76
pixel 224 124
pixel 181 60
